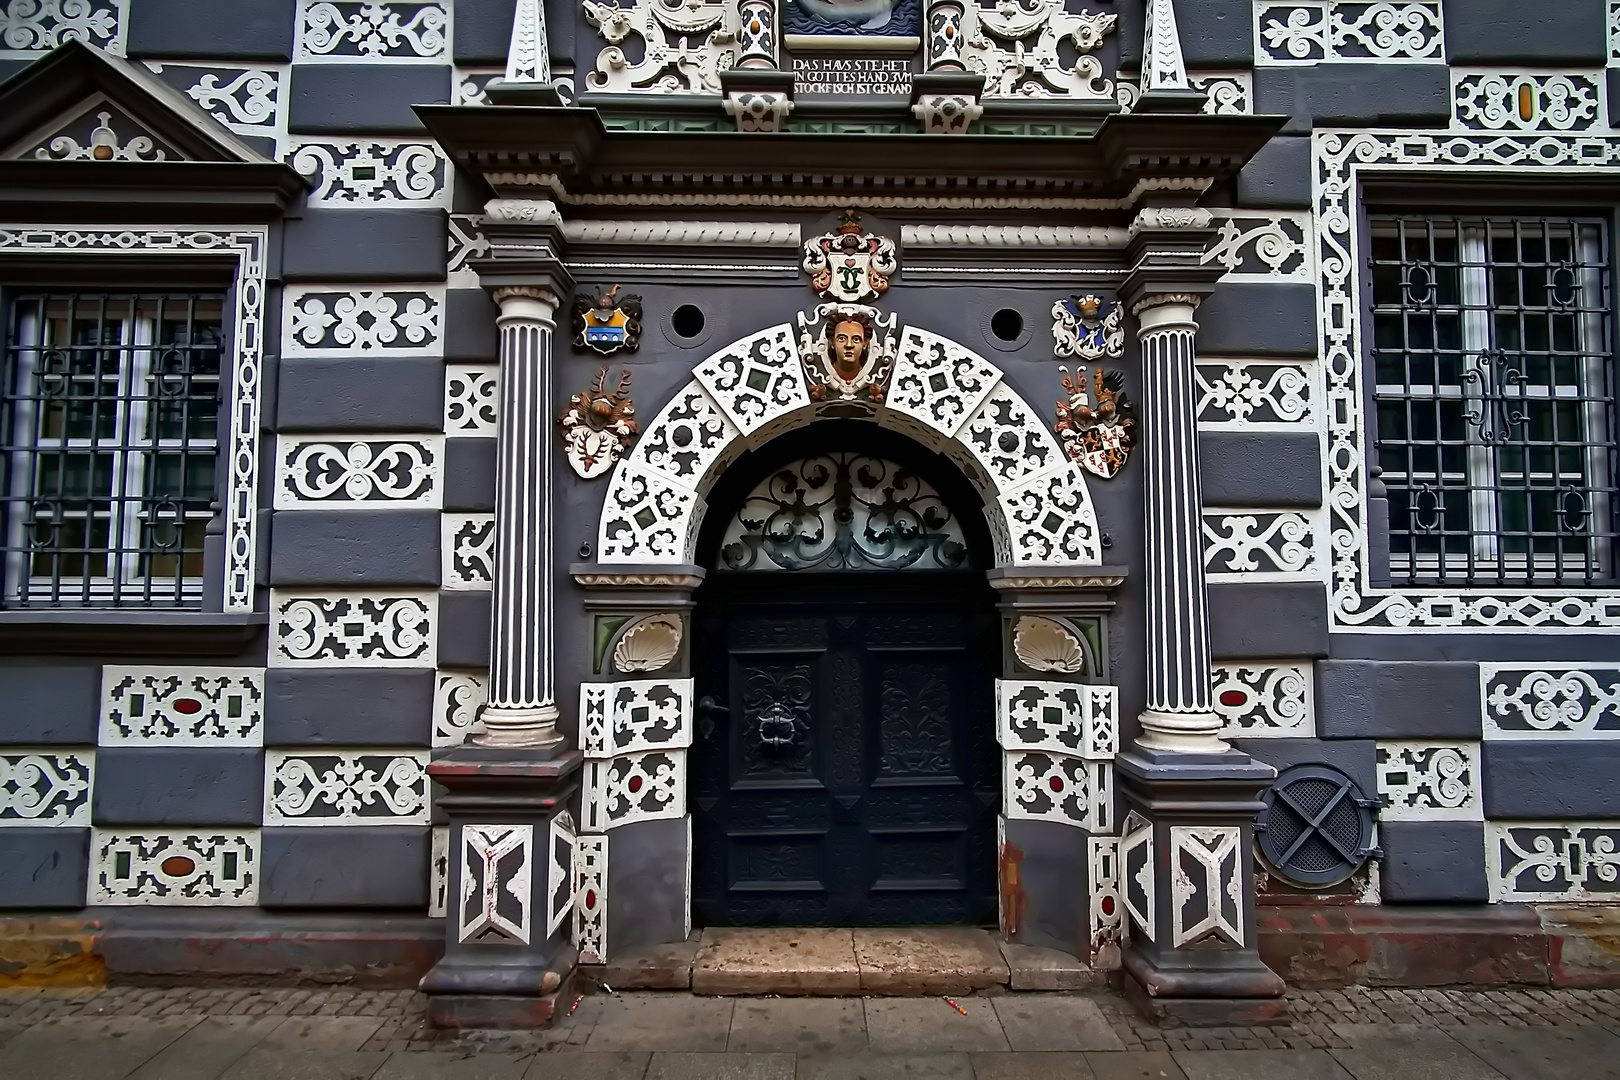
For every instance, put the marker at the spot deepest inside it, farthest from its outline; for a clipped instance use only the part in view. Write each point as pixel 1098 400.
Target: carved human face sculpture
pixel 848 349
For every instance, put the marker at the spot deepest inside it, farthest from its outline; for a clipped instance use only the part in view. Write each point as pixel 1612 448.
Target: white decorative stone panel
pixel 494 904
pixel 346 787
pixel 457 698
pixel 239 409
pixel 1105 911
pixel 472 394
pixel 249 100
pixel 1051 521
pixel 1342 160
pixel 1540 701
pixel 1265 699
pixel 938 382
pixel 1010 444
pixel 396 472
pixel 1518 100
pixel 1044 786
pixel 1255 245
pixel 466 241
pixel 560 883
pixel 166 867
pixel 47 786
pixel 1226 93
pixel 467 551
pixel 635 787
pixel 1136 877
pixel 1079 719
pixel 439 873
pixel 634 715
pixel 1206 884
pixel 1258 395
pixel 1429 781
pixel 647 518
pixel 1261 545
pixel 471 84
pixel 590 898
pixel 31 28
pixel 1549 861
pixel 363 628
pixel 326 320
pixel 756 380
pixel 1348 31
pixel 356 31
pixel 173 706
pixel 686 439
pixel 372 172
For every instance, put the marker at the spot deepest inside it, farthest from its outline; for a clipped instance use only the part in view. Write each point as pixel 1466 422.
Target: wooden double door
pixel 844 770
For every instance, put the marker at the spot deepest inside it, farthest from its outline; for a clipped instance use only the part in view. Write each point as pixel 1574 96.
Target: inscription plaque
pixel 851 75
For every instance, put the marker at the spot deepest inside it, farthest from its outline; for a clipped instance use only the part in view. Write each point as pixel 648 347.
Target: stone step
pixel 837 963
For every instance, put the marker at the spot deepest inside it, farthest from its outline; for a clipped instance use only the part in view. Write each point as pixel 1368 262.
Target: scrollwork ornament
pixel 850 265
pixel 1088 327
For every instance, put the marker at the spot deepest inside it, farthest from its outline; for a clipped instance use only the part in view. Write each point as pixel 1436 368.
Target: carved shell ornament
pixel 649 645
pixel 1047 645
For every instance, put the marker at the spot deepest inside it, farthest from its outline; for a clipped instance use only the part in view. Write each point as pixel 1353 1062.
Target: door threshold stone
pixel 806 961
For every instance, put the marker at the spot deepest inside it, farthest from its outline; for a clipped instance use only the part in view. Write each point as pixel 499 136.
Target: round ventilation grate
pixel 1317 827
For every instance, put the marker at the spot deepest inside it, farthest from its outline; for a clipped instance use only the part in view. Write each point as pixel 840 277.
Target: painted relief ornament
pixel 1096 434
pixel 1088 328
pixel 606 323
pixel 850 265
pixel 598 425
pixel 848 352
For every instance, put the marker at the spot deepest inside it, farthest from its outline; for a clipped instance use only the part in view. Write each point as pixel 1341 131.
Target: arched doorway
pixel 844 769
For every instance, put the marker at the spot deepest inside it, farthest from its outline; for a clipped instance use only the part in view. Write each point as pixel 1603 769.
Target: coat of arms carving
pixel 1097 427
pixel 598 424
pixel 848 352
pixel 606 322
pixel 850 265
pixel 1087 327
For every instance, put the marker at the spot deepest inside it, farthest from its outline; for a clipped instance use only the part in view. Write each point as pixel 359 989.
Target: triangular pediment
pixel 80 104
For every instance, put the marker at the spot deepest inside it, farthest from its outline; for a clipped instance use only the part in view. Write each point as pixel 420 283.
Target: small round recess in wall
pixel 1006 329
pixel 687 326
pixel 1317 827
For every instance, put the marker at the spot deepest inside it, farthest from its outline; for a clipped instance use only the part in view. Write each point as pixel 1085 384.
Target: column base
pixel 1181 733
pixel 463 994
pixel 519 729
pixel 1172 1012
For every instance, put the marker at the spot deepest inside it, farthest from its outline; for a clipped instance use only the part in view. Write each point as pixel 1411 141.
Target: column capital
pixel 531 303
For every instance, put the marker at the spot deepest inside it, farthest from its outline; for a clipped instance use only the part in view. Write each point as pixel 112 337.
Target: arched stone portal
pixel 942 394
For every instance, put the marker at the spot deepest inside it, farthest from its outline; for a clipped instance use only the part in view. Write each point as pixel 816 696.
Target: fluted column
pixel 1180 715
pixel 522 709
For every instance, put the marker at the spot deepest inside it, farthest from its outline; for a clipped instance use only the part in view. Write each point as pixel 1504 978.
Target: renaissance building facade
pixel 489 488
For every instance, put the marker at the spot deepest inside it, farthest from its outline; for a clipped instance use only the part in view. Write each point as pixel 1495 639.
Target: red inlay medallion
pixel 187 705
pixel 590 898
pixel 1056 783
pixel 1233 698
pixel 634 785
pixel 178 866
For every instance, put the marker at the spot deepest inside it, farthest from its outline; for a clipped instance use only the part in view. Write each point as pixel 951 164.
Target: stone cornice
pixel 1012 236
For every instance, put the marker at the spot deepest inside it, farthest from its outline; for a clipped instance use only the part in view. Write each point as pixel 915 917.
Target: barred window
pixel 109 418
pixel 1495 398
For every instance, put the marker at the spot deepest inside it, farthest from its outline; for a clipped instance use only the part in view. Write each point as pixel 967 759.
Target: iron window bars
pixel 1495 398
pixel 109 416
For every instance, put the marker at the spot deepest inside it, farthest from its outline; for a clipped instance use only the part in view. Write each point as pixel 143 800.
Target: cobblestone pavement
pixel 344 1034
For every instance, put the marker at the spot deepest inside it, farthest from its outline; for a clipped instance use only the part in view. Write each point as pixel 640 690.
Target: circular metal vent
pixel 1317 827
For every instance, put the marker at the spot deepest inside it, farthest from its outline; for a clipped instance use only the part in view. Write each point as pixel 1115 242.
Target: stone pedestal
pixel 508 961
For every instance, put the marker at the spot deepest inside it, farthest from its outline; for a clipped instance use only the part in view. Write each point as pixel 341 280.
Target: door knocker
pixel 776 728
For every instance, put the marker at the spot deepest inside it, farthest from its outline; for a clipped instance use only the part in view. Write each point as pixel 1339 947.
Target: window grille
pixel 109 420
pixel 1495 398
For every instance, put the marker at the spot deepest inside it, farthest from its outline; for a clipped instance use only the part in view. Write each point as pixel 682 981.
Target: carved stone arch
pixel 942 394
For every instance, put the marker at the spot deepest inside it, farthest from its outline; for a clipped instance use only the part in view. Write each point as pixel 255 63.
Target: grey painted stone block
pixel 1357 759
pixel 1242 468
pixel 464 624
pixel 647 863
pixel 1556 778
pixel 1368 699
pixel 354 547
pixel 199 29
pixel 1367 95
pixel 404 393
pixel 1267 619
pixel 49 703
pixel 1279 175
pixel 354 707
pixel 1214 33
pixel 1247 318
pixel 469 326
pixel 469 474
pixel 331 99
pixel 1053 891
pixel 339 866
pixel 44 868
pixel 1509 31
pixel 1433 862
pixel 484 30
pixel 365 245
pixel 178 786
